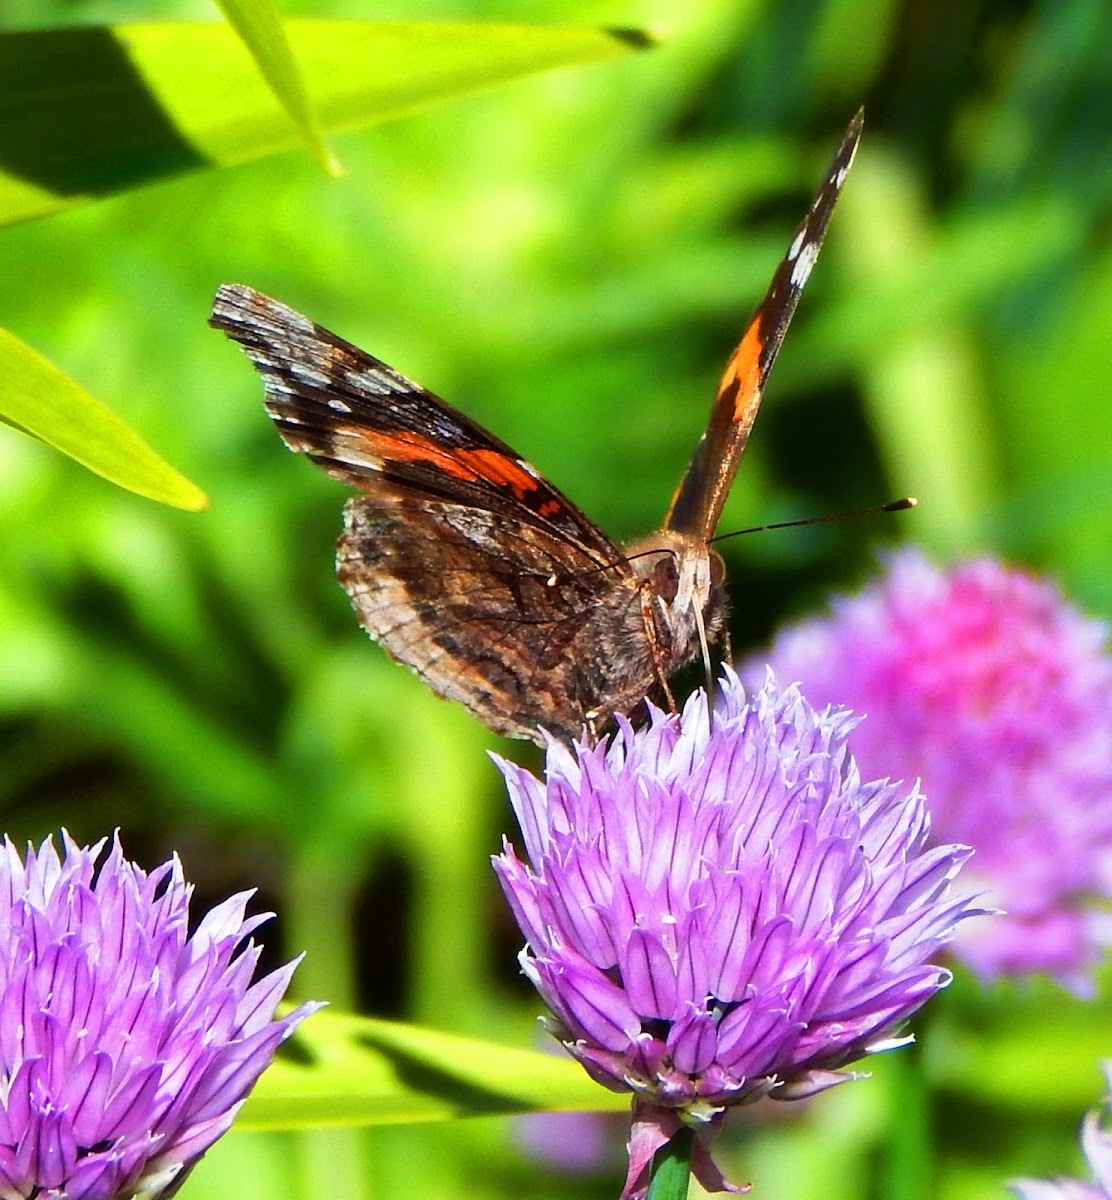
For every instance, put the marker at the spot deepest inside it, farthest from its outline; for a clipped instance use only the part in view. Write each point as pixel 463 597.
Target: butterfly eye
pixel 666 577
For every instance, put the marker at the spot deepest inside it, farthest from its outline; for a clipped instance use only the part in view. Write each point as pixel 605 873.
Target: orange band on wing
pixel 471 465
pixel 496 468
pixel 742 376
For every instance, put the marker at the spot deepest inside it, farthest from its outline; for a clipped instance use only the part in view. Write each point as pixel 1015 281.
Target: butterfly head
pixel 685 579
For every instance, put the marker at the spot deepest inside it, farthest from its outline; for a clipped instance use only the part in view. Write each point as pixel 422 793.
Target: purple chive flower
pixel 983 683
pixel 716 915
pixel 1097 1144
pixel 127 1046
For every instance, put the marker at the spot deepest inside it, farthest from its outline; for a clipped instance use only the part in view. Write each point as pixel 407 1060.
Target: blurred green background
pixel 569 259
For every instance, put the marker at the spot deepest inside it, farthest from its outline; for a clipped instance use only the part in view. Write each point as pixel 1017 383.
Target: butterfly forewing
pixel 372 428
pixel 697 503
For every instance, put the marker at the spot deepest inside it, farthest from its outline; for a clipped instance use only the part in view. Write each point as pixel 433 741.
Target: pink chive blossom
pixel 126 1045
pixel 716 913
pixel 986 685
pixel 1097 1145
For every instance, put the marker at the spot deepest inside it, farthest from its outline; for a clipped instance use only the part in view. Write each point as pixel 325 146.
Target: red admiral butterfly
pixel 471 568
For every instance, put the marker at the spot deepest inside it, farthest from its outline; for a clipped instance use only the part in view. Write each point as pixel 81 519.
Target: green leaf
pixel 107 108
pixel 257 22
pixel 39 399
pixel 339 1069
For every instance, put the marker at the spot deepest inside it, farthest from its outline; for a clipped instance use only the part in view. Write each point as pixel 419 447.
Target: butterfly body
pixel 469 566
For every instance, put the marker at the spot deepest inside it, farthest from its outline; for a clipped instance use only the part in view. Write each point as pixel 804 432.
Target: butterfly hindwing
pixel 496 614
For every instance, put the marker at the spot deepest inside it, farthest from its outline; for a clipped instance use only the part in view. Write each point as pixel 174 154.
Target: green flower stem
pixel 671 1170
pixel 907 1162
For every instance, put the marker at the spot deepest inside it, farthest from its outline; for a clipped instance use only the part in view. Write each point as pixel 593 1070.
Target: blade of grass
pixel 39 399
pixel 257 22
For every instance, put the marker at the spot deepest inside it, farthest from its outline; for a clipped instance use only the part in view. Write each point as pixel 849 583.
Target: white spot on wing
pixel 374 382
pixel 352 453
pixel 803 264
pixel 310 375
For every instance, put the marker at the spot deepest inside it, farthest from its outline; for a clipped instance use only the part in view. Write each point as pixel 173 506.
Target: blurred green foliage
pixel 570 260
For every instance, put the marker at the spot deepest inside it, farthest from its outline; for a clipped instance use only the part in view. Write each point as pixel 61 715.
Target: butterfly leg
pixel 659 667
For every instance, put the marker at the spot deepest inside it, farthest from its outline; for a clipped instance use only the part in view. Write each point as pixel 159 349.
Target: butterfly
pixel 468 566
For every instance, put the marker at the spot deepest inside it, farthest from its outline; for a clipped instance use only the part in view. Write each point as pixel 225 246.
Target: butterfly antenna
pixel 555 577
pixel 893 506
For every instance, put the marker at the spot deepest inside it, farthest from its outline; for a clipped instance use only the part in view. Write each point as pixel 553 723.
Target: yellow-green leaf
pixel 339 1069
pixel 39 399
pixel 257 22
pixel 102 109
